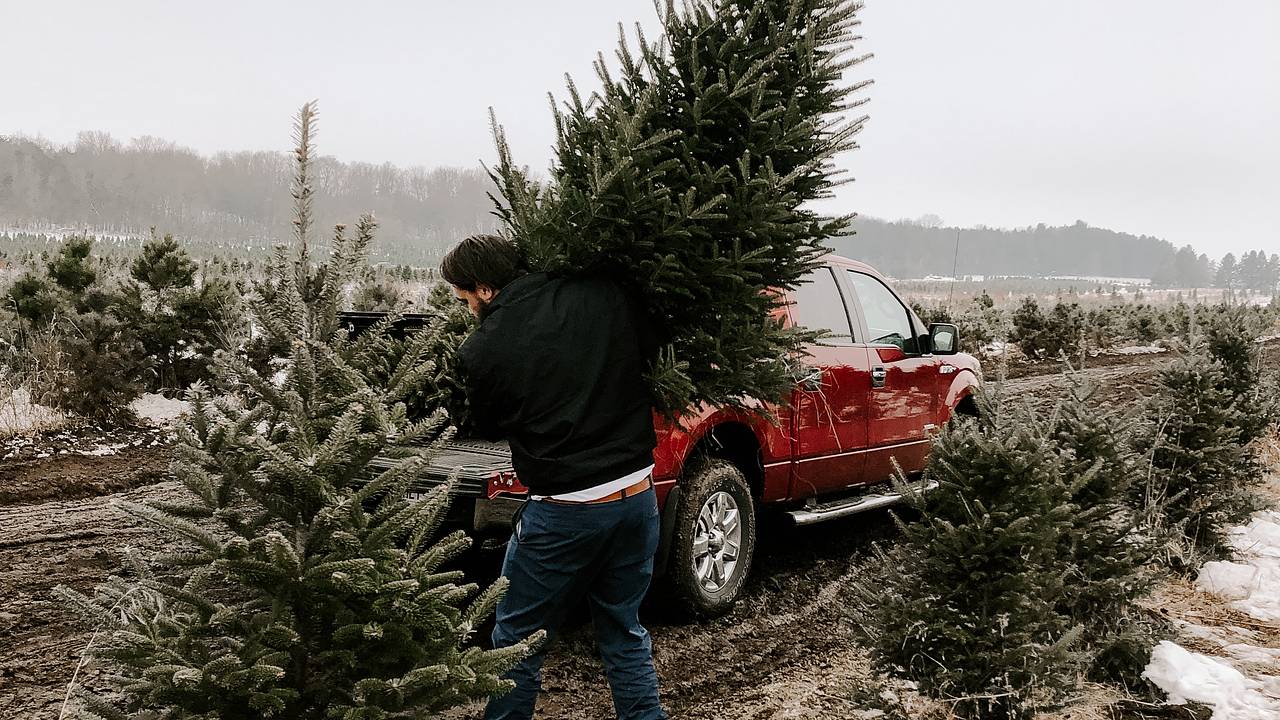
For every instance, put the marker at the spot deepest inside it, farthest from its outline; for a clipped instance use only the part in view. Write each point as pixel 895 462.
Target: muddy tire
pixel 713 540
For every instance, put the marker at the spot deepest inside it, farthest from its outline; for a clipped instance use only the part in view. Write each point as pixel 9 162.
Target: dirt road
pixel 73 542
pixel 782 653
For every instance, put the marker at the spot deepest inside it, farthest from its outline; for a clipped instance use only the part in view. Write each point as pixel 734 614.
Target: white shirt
pixel 599 491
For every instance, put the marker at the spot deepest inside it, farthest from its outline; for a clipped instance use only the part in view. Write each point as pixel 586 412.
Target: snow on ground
pixel 100 450
pixel 1244 683
pixel 28 429
pixel 1136 350
pixel 1188 676
pixel 1252 581
pixel 999 348
pixel 18 414
pixel 158 409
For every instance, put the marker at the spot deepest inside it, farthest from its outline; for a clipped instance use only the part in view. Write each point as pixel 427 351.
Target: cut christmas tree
pixel 689 177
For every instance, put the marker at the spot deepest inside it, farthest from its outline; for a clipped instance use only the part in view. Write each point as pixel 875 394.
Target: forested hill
pixel 911 249
pixel 238 204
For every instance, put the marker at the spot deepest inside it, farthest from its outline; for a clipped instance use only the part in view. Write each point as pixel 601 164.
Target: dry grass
pixel 1267 450
pixel 27 379
pixel 20 416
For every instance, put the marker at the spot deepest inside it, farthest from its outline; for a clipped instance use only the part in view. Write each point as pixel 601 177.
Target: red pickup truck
pixel 880 384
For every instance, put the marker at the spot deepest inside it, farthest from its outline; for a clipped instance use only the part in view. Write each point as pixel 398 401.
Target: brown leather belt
pixel 625 492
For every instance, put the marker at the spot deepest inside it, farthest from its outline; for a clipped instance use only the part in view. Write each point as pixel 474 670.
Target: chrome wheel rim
pixel 717 542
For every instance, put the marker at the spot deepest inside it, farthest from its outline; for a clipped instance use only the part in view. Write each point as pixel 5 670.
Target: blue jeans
pixel 560 554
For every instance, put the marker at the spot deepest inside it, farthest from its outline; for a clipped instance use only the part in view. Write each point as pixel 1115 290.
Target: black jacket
pixel 557 367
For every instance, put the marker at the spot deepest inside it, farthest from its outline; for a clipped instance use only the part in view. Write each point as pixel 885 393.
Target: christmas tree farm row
pixel 1070 328
pixel 1029 568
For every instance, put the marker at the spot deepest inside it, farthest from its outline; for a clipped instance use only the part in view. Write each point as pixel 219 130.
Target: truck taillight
pixel 505 482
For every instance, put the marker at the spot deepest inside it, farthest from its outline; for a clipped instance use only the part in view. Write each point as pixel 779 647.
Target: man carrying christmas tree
pixel 556 366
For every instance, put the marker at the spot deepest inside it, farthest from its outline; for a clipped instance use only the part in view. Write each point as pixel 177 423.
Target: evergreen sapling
pixel 1108 562
pixel 310 586
pixel 179 315
pixel 1200 477
pixel 967 602
pixel 1230 334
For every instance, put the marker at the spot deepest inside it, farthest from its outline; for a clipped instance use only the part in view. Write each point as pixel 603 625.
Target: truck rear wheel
pixel 713 540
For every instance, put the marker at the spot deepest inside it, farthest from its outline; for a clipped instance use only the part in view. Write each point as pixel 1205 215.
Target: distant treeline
pixel 231 203
pixel 909 249
pixel 236 205
pixel 915 249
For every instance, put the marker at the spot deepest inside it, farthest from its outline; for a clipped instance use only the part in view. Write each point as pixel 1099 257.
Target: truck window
pixel 818 305
pixel 888 320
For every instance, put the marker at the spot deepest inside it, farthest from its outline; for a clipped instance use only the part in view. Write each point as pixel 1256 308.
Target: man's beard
pixel 483 310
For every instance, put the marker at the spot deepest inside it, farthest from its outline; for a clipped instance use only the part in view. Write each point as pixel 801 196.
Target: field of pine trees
pixel 192 524
pixel 1098 481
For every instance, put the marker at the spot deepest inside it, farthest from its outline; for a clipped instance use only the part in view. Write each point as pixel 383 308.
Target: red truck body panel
pixel 831 423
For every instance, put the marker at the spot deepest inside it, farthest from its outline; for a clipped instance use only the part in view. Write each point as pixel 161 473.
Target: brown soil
pixel 784 652
pixel 76 543
pixel 1023 367
pixel 70 477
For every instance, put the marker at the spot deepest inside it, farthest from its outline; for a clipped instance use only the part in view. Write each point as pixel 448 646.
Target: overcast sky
pixel 1157 117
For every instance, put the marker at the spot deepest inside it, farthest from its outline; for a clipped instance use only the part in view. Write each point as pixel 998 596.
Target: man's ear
pixel 485 293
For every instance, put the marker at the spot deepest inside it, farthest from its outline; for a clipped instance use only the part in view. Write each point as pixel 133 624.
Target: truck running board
pixel 844 507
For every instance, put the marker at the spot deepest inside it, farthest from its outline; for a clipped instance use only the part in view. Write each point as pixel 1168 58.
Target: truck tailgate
pixel 474 461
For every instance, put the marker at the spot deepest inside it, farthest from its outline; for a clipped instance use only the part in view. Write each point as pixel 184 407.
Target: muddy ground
pixel 784 652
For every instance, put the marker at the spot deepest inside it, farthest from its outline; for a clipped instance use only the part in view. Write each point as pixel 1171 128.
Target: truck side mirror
pixel 944 338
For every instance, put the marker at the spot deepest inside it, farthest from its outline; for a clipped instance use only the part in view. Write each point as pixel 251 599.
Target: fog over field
pixel 1152 118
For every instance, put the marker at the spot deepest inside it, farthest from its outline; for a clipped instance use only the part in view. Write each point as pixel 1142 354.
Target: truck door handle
pixel 878 376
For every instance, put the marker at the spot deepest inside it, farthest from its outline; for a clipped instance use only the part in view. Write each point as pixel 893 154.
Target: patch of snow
pixel 1231 580
pixel 158 409
pixel 1261 537
pixel 1137 350
pixel 100 450
pixel 281 375
pixel 1188 676
pixel 1214 635
pixel 1252 654
pixel 18 414
pixel 1252 583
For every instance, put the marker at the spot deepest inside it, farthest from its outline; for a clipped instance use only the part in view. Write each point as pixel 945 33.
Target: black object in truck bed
pixel 475 461
pixel 358 322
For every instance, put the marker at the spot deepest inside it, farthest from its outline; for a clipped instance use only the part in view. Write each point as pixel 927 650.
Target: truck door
pixel 904 381
pixel 830 414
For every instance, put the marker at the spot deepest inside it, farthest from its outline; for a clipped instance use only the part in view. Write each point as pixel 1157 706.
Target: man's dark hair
pixel 482 260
